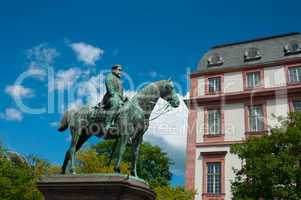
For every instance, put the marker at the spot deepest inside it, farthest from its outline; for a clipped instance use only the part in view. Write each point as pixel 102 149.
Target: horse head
pixel 168 93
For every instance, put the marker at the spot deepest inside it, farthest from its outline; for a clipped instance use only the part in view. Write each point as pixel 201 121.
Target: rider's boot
pixel 108 128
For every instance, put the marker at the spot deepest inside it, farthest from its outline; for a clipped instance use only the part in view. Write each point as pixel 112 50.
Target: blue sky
pixel 152 39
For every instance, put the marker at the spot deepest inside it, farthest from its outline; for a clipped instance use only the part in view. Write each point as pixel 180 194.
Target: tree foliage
pixel 17 181
pixel 172 193
pixel 153 164
pixel 272 164
pixel 89 161
pixel 18 177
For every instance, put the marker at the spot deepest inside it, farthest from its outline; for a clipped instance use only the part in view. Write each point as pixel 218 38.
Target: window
pixel 256 118
pixel 252 54
pixel 297 105
pixel 215 60
pixel 291 48
pixel 294 75
pixel 214 122
pixel 253 79
pixel 214 85
pixel 214 178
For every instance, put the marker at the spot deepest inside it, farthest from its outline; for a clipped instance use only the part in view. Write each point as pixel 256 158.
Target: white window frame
pixel 297 73
pixel 216 123
pixel 214 186
pixel 216 87
pixel 293 103
pixel 258 118
pixel 253 76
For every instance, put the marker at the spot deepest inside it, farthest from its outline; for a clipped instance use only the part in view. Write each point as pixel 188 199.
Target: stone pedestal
pixel 95 187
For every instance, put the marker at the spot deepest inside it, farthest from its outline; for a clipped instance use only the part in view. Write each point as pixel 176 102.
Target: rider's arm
pixel 109 85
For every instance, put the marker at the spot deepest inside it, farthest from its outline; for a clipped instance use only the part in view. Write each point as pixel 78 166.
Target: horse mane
pixel 147 87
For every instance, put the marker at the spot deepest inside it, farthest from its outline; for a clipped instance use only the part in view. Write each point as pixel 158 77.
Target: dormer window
pixel 291 48
pixel 252 54
pixel 215 60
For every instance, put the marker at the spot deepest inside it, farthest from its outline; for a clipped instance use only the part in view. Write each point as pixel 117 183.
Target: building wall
pixel 200 125
pixel 234 129
pixel 234 122
pixel 233 82
pixel 274 76
pixel 277 107
pixel 231 161
pixel 234 118
pixel 201 86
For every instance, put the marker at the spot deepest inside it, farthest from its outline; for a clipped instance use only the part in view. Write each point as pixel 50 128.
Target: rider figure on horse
pixel 114 98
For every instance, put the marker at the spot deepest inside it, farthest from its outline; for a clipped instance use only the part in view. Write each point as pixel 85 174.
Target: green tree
pixel 42 167
pixel 272 164
pixel 17 181
pixel 18 177
pixel 153 164
pixel 89 161
pixel 172 193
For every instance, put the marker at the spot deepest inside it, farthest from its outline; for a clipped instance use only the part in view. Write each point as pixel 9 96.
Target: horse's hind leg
pixel 121 147
pixel 75 137
pixel 82 139
pixel 136 147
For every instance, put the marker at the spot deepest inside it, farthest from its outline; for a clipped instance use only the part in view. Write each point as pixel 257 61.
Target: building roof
pixel 234 54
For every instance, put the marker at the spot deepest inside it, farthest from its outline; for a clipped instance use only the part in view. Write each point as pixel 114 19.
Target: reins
pixel 165 109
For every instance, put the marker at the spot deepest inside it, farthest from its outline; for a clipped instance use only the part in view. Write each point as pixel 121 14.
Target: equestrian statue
pixel 116 117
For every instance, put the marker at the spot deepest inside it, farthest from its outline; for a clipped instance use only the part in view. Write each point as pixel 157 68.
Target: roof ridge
pixel 256 40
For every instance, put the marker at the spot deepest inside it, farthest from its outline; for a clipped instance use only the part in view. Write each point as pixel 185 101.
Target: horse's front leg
pixel 66 160
pixel 136 148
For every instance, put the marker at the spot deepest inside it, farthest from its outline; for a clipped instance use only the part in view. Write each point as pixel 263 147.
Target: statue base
pixel 95 187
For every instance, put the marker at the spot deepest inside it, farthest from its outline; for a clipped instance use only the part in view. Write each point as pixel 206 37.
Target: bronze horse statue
pixel 131 122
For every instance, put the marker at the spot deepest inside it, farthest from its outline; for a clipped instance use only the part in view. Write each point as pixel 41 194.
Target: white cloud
pixel 16 91
pixel 41 56
pixel 67 78
pixel 169 131
pixel 87 53
pixel 37 72
pixel 12 114
pixel 92 89
pixel 75 105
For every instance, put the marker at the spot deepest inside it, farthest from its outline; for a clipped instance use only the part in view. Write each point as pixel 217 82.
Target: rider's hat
pixel 116 66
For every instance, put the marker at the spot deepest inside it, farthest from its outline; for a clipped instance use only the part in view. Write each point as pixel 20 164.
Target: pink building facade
pixel 237 92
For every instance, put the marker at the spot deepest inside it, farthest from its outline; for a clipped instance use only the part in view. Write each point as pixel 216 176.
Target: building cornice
pixel 214 144
pixel 236 97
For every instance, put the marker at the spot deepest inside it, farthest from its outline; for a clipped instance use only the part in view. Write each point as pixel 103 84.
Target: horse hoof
pixel 134 173
pixel 73 172
pixel 117 171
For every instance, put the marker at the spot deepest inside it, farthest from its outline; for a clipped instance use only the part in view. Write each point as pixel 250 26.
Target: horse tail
pixel 64 122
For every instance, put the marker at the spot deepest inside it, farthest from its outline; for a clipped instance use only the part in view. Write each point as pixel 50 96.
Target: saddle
pixel 100 113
